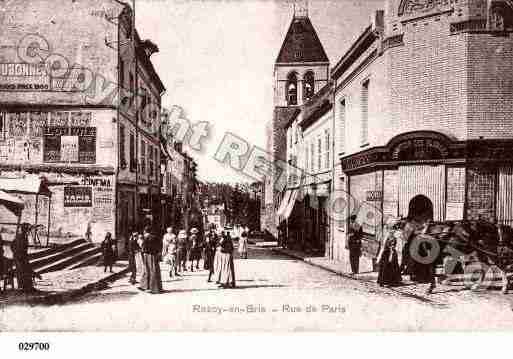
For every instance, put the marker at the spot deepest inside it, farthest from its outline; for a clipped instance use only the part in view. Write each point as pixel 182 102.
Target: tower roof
pixel 301 43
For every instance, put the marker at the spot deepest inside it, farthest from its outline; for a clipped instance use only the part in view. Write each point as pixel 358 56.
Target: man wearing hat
pixel 195 249
pixel 182 250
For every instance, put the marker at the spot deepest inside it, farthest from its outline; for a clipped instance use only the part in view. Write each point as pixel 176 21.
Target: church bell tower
pixel 300 70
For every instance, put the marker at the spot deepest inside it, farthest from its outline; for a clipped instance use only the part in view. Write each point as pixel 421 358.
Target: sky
pixel 216 60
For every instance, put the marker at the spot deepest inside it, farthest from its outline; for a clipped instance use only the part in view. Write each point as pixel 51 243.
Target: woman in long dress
pixel 209 251
pixel 169 250
pixel 243 245
pixel 226 267
pixel 151 280
pixel 389 273
pixel 108 252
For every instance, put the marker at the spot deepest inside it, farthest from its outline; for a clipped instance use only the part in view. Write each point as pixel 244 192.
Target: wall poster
pixel 78 196
pixel 69 144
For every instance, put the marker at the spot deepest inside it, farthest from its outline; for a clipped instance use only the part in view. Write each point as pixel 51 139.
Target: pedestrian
pixel 169 251
pixel 354 243
pixel 108 252
pixel 389 273
pixel 182 251
pixel 24 272
pixel 194 249
pixel 226 269
pixel 243 245
pixel 139 256
pixel 151 280
pixel 1 256
pixel 133 251
pixel 209 251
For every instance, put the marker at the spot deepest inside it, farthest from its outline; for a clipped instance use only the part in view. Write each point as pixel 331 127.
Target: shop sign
pixel 374 196
pixel 419 149
pixel 78 196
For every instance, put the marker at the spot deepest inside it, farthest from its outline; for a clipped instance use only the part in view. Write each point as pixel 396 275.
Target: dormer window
pixel 308 86
pixel 292 89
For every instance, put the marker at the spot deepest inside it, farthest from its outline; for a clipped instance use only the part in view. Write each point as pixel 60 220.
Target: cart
pixel 475 248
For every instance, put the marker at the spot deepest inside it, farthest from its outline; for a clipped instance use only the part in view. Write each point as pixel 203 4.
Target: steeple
pixel 302 66
pixel 301 43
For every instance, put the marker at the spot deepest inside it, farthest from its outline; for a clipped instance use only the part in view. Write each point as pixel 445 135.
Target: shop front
pixel 425 175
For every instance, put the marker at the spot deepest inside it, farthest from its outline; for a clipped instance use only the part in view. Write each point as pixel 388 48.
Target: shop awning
pixel 290 205
pixel 283 203
pixel 12 203
pixel 24 185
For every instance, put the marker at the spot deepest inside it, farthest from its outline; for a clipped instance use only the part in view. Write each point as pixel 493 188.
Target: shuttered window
pixel 342 126
pixel 319 153
pixel 365 113
pixel 122 159
pixel 327 142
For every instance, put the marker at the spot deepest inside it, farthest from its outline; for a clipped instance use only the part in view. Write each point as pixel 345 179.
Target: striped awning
pixel 283 203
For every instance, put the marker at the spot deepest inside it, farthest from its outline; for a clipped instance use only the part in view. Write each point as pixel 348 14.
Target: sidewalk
pixel 61 286
pixel 442 295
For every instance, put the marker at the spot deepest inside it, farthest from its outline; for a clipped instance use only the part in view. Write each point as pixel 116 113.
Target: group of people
pixel 182 252
pixel 396 231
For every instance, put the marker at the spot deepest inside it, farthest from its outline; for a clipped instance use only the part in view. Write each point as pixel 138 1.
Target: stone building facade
pixel 308 193
pixel 423 112
pixel 68 112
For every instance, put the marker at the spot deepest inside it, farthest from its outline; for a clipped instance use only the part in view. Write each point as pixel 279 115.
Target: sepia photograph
pixel 255 166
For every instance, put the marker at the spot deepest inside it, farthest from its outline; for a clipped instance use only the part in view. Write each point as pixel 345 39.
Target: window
pixel 121 73
pixel 319 153
pixel 365 113
pixel 327 149
pixel 312 157
pixel 143 157
pixel 308 86
pixel 133 161
pixel 122 159
pixel 142 110
pixel 291 89
pixel 307 161
pixel 157 162
pixel 296 135
pixel 132 86
pixel 342 130
pixel 151 161
pixel 2 125
pixel 290 137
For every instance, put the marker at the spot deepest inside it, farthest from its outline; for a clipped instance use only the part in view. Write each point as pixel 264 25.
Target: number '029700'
pixel 33 346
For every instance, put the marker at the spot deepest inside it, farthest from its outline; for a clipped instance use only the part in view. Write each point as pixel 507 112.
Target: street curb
pixel 63 297
pixel 326 268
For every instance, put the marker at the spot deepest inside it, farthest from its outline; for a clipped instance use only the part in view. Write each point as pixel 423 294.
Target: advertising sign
pixel 24 77
pixel 69 148
pixel 78 196
pixel 69 144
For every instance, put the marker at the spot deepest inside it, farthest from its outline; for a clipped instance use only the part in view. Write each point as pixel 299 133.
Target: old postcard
pixel 253 165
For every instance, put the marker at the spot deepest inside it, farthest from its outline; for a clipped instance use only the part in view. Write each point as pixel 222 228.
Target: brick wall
pixel 490 83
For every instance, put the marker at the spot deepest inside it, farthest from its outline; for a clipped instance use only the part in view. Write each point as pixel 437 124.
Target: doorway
pixel 420 209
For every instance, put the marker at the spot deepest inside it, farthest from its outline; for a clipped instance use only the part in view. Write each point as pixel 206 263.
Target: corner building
pixel 423 114
pixel 75 123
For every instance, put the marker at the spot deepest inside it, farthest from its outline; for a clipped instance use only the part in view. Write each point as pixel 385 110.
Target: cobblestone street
pixel 273 292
